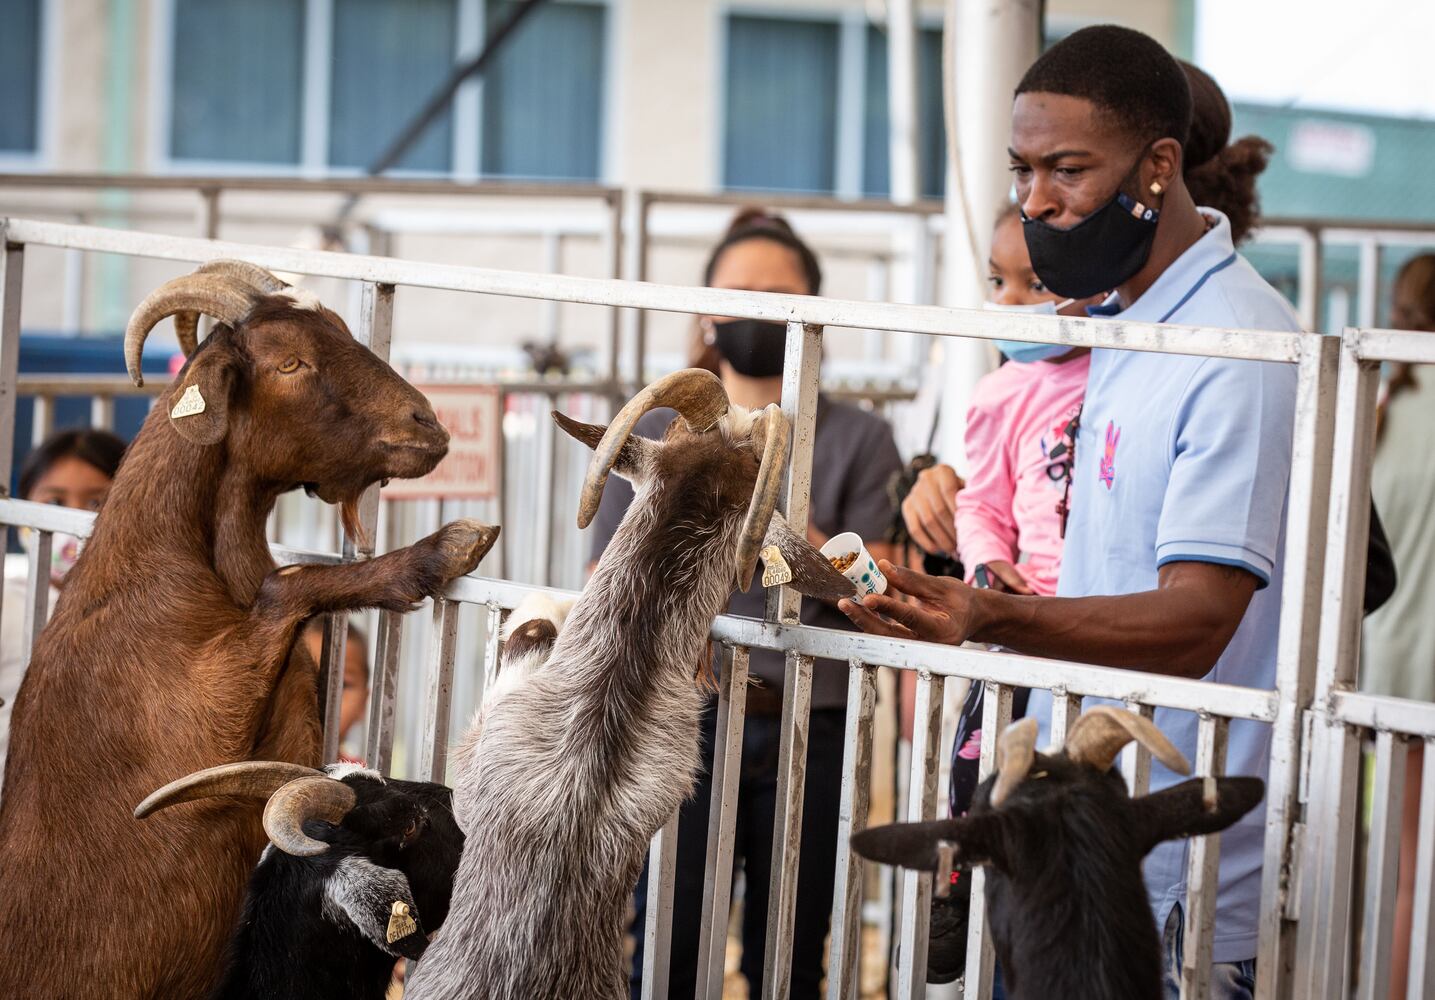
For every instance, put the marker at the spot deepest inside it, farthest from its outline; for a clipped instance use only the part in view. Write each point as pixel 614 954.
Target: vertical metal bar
pixel 376 325
pixel 722 823
pixel 1309 279
pixel 640 320
pixel 1422 925
pixel 207 216
pixel 492 647
pixel 42 420
pixel 1136 759
pixel 37 593
pixel 102 412
pixel 843 968
pixel 331 654
pixel 1367 306
pixel 12 271
pixel 1383 865
pixel 613 251
pixel 801 371
pixel 1065 707
pixel 1204 866
pixel 981 953
pixel 438 707
pixel 658 930
pixel 379 740
pixel 921 807
pixel 1330 832
pixel 1307 515
pixel 548 464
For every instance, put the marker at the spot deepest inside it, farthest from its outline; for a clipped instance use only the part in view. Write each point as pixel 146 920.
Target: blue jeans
pixel 1229 980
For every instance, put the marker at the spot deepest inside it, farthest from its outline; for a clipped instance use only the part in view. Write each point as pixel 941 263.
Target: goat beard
pixel 353 526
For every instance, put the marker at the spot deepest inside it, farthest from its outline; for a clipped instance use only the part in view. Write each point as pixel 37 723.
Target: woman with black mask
pixel 854 457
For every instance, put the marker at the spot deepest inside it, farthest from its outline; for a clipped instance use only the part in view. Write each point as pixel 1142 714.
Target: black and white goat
pixel 357 875
pixel 1063 843
pixel 580 756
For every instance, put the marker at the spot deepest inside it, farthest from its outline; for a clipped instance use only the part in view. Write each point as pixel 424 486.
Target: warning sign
pixel 471 469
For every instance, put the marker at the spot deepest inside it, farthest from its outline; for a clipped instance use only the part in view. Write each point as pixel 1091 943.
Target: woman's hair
pixel 1417 275
pixel 754 223
pixel 1221 174
pixel 100 449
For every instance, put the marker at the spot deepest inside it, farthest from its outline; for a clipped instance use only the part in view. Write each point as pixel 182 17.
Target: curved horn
pixel 764 493
pixel 303 799
pixel 250 779
pixel 226 298
pixel 1100 733
pixel 693 392
pixel 186 324
pixel 1016 749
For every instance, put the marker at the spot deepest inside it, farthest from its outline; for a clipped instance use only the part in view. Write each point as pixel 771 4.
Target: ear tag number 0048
pixel 401 923
pixel 775 571
pixel 189 404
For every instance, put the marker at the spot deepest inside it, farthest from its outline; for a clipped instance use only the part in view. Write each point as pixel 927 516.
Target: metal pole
pixel 12 272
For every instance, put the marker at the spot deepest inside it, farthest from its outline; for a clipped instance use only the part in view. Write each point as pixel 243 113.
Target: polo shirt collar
pixel 1176 282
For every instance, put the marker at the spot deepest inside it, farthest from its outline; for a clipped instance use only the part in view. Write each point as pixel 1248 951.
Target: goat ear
pixel 199 404
pixel 914 845
pixel 811 573
pixel 1183 811
pixel 377 901
pixel 630 457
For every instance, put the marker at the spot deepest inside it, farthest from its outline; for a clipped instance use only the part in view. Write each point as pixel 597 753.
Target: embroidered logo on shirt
pixel 1108 457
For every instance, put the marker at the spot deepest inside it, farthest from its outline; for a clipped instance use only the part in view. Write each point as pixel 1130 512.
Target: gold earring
pixel 1156 187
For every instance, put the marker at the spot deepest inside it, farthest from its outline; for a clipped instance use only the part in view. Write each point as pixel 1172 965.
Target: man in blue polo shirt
pixel 1173 552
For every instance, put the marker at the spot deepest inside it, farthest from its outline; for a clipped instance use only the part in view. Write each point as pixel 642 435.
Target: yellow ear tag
pixel 189 404
pixel 775 571
pixel 401 924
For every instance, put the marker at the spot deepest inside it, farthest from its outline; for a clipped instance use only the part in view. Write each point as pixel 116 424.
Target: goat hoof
pixel 462 544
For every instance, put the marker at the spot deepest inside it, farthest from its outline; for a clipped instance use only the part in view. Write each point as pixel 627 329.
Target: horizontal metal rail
pixel 1255 345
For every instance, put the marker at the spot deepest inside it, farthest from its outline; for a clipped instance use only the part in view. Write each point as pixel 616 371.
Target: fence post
pixel 801 373
pixel 843 966
pixel 12 272
pixel 921 808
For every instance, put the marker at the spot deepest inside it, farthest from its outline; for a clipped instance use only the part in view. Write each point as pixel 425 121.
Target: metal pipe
pixel 1381 882
pixel 1203 869
pixel 843 965
pixel 981 953
pixel 658 929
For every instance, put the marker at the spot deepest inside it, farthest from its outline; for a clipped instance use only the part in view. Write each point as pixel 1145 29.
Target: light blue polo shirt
pixel 1187 459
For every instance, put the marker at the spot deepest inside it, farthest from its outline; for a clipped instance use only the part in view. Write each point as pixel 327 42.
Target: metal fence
pixel 1284 707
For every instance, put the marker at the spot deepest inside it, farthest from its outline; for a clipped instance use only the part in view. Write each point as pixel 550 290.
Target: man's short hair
pixel 1128 76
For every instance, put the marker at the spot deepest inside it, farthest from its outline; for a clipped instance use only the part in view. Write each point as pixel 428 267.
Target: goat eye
pixel 291 365
pixel 412 830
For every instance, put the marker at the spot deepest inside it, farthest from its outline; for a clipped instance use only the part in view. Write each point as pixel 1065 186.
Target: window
pixel 780 132
pixel 388 58
pixel 543 95
pixel 20 77
pixel 237 80
pixel 931 127
pixel 807 107
pixel 250 86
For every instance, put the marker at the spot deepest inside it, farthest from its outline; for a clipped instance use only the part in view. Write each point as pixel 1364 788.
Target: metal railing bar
pixel 792 202
pixel 1065 707
pixel 1415 347
pixel 916 892
pixel 722 823
pixel 1136 758
pixel 331 660
pixel 1258 345
pixel 42 420
pixel 844 955
pixel 1202 874
pixel 12 272
pixel 492 648
pixel 1422 930
pixel 439 703
pixel 658 928
pixel 383 690
pixel 981 951
pixel 37 589
pixel 309 185
pixel 1383 863
pixel 1381 712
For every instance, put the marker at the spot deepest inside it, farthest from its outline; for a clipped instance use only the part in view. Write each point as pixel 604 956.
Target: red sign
pixel 471 469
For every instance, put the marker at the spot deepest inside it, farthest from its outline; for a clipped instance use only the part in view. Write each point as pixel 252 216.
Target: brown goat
pixel 173 645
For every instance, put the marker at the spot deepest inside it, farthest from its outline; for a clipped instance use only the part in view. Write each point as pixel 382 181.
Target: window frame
pixel 315 104
pixel 47 93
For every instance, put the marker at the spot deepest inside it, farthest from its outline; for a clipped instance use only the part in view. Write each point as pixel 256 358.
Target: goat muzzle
pixel 224 289
pixel 1104 731
pixel 298 802
pixel 247 779
pixel 695 393
pixel 1016 750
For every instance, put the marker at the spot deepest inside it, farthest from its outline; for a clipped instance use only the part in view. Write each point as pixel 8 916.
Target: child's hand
pixel 1011 580
pixel 930 510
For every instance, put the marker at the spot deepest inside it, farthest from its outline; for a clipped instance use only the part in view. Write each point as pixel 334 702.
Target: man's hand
pixel 1008 578
pixel 930 510
pixel 942 612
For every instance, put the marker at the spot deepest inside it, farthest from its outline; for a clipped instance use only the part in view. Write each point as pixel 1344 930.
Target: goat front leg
pixel 395 581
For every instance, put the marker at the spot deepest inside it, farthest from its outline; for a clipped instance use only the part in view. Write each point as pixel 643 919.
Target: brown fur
pixel 172 649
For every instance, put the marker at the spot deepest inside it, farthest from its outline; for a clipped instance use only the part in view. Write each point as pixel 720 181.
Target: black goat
pixel 362 874
pixel 1063 842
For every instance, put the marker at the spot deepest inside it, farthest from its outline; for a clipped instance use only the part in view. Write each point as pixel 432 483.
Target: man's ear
pixel 199 404
pixel 1165 169
pixel 632 457
pixel 379 902
pixel 914 845
pixel 1182 811
pixel 811 573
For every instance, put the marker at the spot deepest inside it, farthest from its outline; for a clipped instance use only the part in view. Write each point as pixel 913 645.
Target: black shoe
pixel 947 939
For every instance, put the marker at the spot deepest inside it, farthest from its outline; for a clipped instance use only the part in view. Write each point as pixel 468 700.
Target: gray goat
pixel 583 753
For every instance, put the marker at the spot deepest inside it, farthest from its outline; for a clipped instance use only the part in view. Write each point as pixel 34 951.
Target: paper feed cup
pixel 861 569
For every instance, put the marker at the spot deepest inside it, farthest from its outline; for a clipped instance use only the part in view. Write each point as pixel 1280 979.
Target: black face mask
pixel 1097 254
pixel 755 348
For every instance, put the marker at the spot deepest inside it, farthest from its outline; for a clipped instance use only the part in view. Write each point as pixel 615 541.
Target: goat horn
pixel 764 493
pixel 1100 733
pixel 249 779
pixel 693 392
pixel 226 298
pixel 303 799
pixel 1016 749
pixel 186 324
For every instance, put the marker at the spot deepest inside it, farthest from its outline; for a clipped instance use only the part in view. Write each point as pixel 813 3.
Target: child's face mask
pixel 64 552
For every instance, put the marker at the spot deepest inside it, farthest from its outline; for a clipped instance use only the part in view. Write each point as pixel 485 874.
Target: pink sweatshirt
pixel 1008 509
